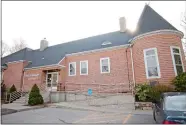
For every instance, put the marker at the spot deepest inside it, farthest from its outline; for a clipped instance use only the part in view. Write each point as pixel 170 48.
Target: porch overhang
pixel 47 67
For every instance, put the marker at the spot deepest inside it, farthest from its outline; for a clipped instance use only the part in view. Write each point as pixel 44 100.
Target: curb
pixel 9 112
pixel 89 109
pixel 134 112
pixel 26 109
pixel 32 108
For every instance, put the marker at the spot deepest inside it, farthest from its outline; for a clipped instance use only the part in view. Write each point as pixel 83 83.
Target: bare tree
pixel 18 45
pixel 4 49
pixel 183 24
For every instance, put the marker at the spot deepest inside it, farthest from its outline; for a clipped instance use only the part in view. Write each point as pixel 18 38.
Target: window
pixel 72 69
pixel 177 60
pixel 84 67
pixel 105 65
pixel 151 63
pixel 175 103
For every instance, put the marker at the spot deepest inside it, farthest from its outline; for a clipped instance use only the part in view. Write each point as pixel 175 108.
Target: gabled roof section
pixel 150 21
pixel 53 54
pixel 19 55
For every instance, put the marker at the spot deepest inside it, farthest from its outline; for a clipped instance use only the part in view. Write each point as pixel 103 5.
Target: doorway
pixel 52 81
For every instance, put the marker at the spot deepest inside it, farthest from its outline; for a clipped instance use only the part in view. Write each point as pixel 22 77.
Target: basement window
pixel 152 67
pixel 106 43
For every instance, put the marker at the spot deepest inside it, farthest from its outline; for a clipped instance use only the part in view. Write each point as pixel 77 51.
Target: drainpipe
pixel 132 67
pixel 23 82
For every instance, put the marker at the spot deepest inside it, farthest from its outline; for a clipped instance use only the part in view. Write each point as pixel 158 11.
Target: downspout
pixel 22 79
pixel 127 67
pixel 133 74
pixel 23 83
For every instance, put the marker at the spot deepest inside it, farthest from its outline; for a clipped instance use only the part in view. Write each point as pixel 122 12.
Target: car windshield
pixel 175 103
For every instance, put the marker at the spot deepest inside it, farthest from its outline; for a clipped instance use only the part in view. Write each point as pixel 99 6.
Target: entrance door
pixel 52 80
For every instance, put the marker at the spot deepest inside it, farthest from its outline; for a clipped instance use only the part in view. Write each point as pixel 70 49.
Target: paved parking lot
pixel 63 115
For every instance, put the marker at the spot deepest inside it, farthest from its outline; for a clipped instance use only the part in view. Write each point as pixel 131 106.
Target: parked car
pixel 170 109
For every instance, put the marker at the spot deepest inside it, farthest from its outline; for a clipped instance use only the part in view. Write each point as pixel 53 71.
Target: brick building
pixel 153 53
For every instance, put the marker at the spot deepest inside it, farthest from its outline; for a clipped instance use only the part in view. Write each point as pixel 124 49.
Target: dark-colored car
pixel 170 109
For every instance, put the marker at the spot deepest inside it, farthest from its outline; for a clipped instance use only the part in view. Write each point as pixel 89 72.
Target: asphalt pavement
pixel 51 115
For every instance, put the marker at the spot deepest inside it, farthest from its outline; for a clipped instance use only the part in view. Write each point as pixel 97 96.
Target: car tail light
pixel 169 122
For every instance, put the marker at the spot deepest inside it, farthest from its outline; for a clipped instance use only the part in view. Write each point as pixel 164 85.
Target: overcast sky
pixel 63 21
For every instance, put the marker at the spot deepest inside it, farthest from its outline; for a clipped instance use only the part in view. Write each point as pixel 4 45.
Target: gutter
pixel 132 41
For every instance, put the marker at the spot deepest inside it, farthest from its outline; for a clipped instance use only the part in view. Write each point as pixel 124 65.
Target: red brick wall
pixel 41 79
pixel 13 74
pixel 118 69
pixel 30 81
pixel 162 42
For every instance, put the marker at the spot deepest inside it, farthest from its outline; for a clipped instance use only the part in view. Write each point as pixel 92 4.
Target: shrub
pixel 3 90
pixel 145 92
pixel 12 89
pixel 35 89
pixel 180 82
pixel 35 97
pixel 156 91
pixel 142 92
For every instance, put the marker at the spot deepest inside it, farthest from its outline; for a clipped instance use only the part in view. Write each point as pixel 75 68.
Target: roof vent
pixel 106 43
pixel 43 44
pixel 122 22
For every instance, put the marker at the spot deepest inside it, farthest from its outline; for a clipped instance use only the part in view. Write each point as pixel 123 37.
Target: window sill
pixel 105 72
pixel 158 77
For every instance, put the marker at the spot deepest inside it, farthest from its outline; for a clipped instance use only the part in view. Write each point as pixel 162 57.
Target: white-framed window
pixel 84 67
pixel 177 60
pixel 72 69
pixel 152 67
pixel 105 65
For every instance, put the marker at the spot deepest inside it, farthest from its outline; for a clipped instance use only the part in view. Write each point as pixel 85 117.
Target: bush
pixel 35 89
pixel 147 93
pixel 180 82
pixel 12 89
pixel 156 91
pixel 35 97
pixel 142 92
pixel 3 90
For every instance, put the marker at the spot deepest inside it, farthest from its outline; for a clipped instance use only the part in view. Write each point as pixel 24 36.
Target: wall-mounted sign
pixel 31 75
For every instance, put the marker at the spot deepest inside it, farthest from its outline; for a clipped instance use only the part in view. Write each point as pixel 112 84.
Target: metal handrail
pixel 14 95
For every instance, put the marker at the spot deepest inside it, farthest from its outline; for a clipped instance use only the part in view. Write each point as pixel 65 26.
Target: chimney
pixel 122 22
pixel 43 44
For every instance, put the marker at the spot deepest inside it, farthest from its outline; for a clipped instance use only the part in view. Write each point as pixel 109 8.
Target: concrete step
pixel 20 102
pixel 21 99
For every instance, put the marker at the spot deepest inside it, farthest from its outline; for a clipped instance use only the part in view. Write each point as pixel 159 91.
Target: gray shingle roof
pixel 19 55
pixel 148 21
